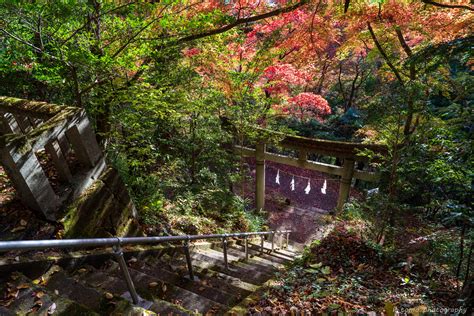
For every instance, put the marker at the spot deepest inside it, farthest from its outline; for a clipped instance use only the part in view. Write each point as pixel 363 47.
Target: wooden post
pixel 260 177
pixel 302 157
pixel 345 186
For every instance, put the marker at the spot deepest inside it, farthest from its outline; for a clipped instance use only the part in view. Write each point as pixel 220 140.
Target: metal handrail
pixel 118 242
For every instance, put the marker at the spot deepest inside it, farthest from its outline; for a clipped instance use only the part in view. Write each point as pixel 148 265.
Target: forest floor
pixel 344 273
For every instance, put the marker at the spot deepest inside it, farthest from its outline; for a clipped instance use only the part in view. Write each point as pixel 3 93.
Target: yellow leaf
pixel 109 296
pixel 38 281
pixel 153 284
pixel 389 309
pixel 39 294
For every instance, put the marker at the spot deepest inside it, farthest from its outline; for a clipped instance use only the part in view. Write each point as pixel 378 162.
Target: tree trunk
pixel 468 267
pixel 461 249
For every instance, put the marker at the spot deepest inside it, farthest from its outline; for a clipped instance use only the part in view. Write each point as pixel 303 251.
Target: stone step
pixel 34 299
pixel 107 283
pixel 255 257
pixel 215 279
pixel 181 279
pixel 289 252
pixel 238 258
pixel 71 288
pixel 237 270
pixel 170 292
pixel 254 251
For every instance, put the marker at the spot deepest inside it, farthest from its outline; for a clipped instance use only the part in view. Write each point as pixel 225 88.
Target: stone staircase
pixel 97 287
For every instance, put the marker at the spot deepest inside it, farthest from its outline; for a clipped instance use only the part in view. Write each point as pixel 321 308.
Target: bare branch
pixel 402 41
pixel 95 17
pixel 346 5
pixel 35 48
pixel 450 6
pixel 139 32
pixel 383 53
pixel 241 21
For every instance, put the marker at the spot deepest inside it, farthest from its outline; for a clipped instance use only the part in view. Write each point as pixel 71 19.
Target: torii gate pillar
pixel 260 177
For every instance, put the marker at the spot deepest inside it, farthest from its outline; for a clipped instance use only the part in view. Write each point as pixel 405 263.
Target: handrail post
pixel 246 248
pixel 287 240
pixel 188 259
pixel 123 266
pixel 273 240
pixel 281 240
pixel 224 247
pixel 261 244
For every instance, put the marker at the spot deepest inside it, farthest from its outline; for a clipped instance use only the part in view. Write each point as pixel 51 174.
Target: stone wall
pixel 89 198
pixel 103 210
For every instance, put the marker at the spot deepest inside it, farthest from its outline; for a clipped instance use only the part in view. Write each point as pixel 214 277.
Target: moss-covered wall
pixel 103 210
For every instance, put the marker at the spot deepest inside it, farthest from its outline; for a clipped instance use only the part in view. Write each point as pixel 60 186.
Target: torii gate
pixel 347 151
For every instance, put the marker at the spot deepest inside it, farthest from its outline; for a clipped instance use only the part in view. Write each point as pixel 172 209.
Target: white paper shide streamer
pixel 323 189
pixel 308 187
pixel 293 183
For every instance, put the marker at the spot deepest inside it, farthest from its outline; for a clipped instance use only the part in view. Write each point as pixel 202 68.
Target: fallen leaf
pixel 39 294
pixel 23 222
pixel 109 296
pixel 389 309
pixel 23 286
pixel 153 284
pixel 56 292
pixel 326 270
pixel 17 229
pixel 38 281
pixel 13 294
pixel 82 270
pixel 362 267
pixel 316 265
